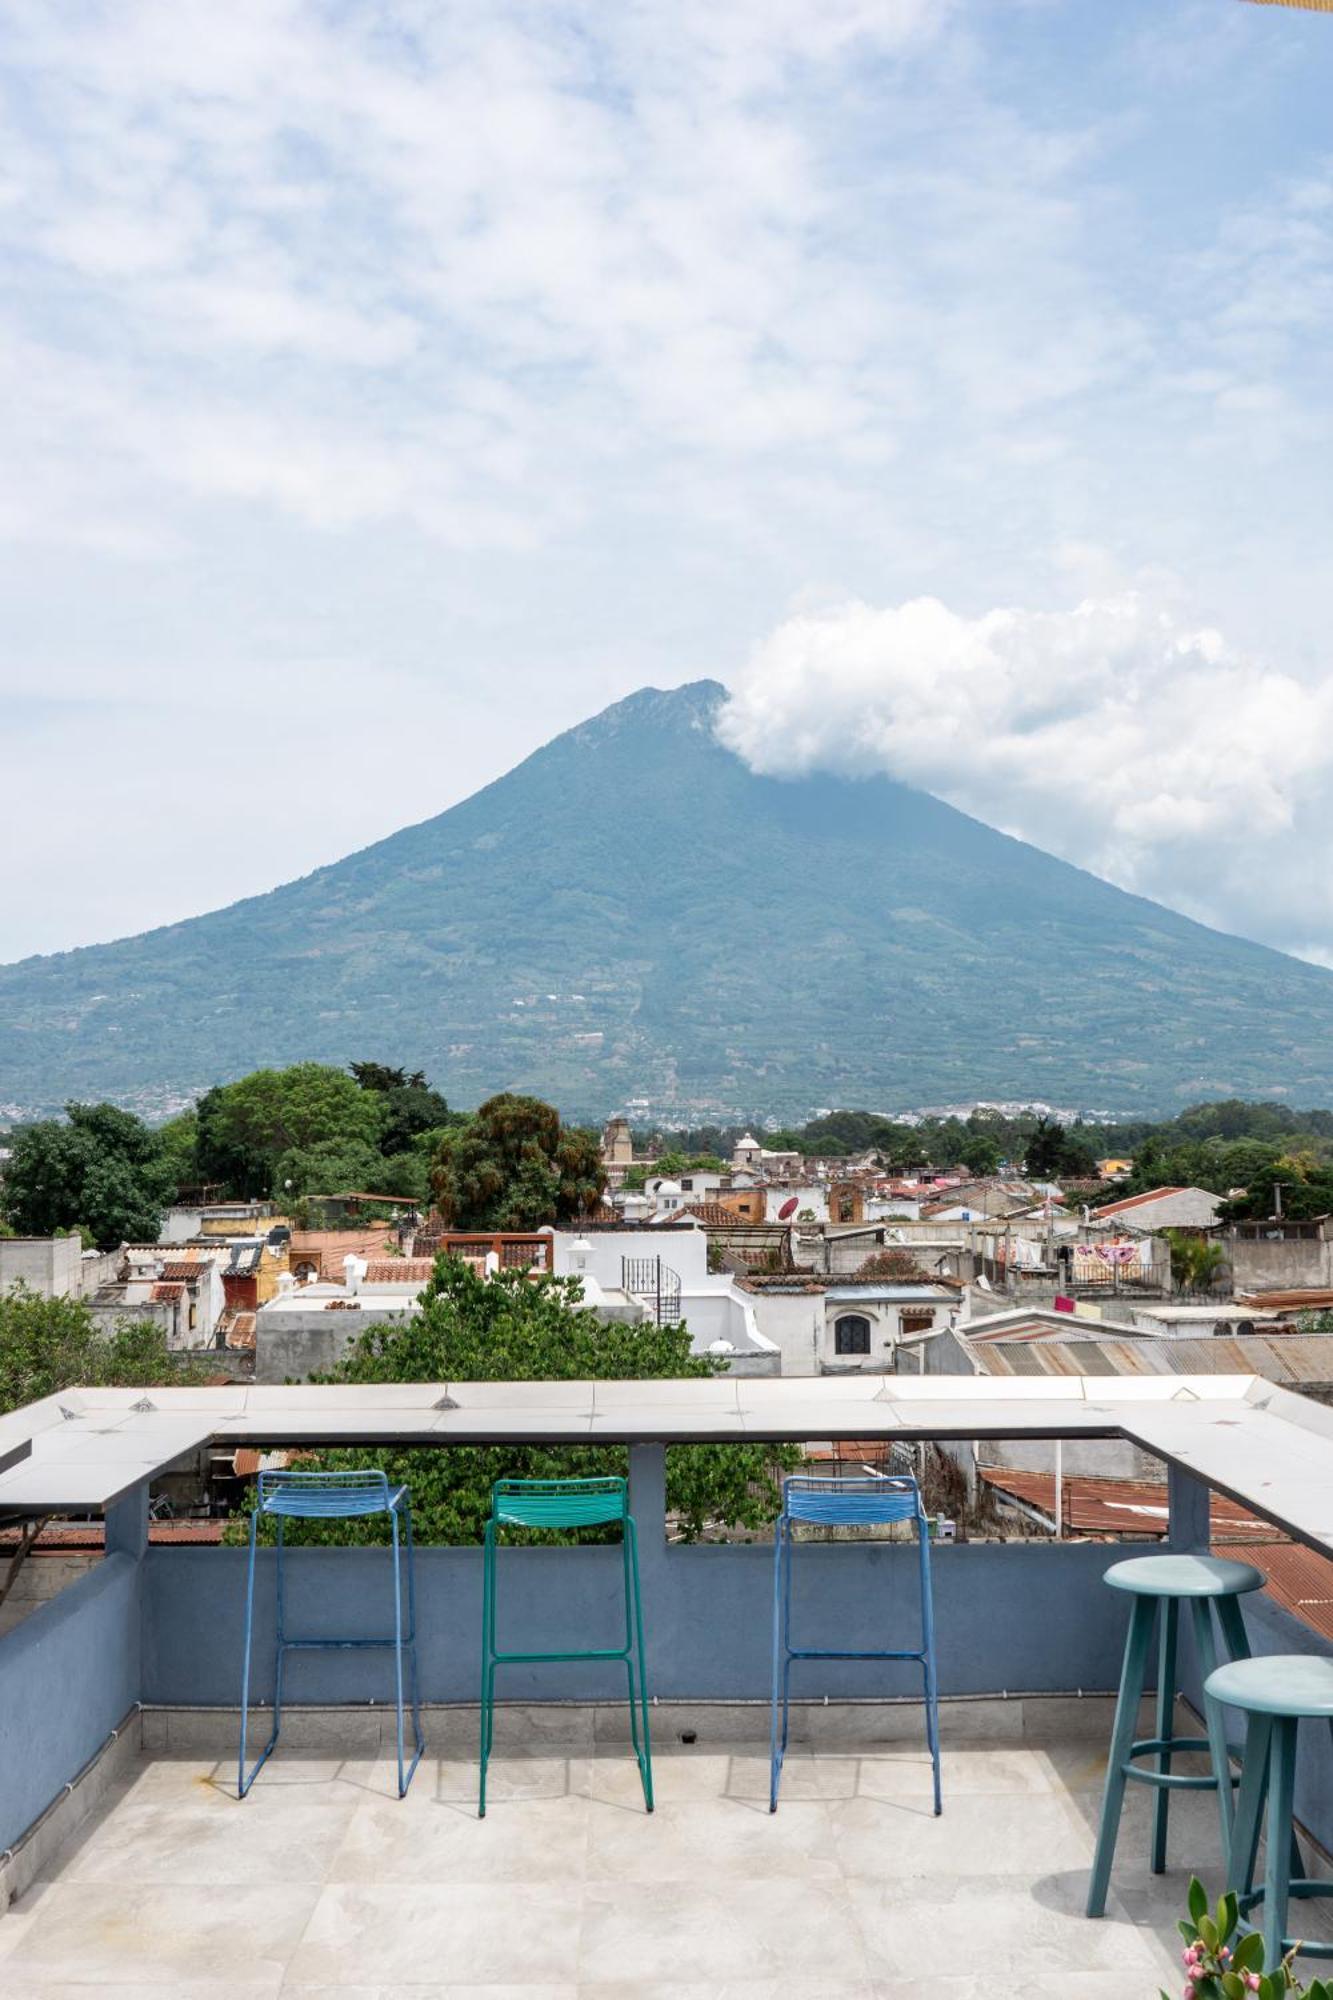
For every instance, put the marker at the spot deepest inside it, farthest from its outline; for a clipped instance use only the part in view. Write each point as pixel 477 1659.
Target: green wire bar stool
pixel 565 1503
pixel 328 1496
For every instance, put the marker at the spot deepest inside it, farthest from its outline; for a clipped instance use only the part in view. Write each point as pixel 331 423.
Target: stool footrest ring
pixel 1300 1887
pixel 1153 1746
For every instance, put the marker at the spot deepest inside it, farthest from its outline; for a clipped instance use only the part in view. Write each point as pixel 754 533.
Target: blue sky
pixel 391 385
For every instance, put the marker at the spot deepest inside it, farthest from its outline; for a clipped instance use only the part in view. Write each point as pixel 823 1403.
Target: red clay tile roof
pixel 239 1330
pixel 187 1271
pixel 63 1538
pixel 399 1270
pixel 166 1294
pixel 1135 1201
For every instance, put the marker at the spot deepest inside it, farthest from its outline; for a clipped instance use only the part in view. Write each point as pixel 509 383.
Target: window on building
pixel 851 1334
pixel 918 1319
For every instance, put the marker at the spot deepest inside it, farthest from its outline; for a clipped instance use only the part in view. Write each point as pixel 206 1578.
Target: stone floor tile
pixel 717 1839
pixel 157 1935
pixel 972 1837
pixel 469 1933
pixel 928 1925
pixel 690 1932
pixel 544 1841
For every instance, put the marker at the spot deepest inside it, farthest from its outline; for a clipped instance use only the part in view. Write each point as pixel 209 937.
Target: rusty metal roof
pixel 1297 1359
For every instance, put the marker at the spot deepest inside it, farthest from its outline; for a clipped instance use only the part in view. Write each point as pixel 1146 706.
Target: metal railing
pixel 655 1284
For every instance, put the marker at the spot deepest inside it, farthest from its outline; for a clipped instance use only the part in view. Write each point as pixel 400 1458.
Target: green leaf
pixel 1198 1899
pixel 1233 1986
pixel 1248 1955
pixel 1208 1932
pixel 1186 1929
pixel 1228 1915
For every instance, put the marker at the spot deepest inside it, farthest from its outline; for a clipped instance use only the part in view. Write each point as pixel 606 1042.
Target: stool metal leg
pixel 1134 1672
pixel 1166 1705
pixel 638 1719
pixel 928 1661
pixel 1277 1870
pixel 1250 1804
pixel 487 1659
pixel 1206 1648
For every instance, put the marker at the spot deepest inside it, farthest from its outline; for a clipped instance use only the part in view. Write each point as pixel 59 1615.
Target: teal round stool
pixel 1209 1586
pixel 1276 1694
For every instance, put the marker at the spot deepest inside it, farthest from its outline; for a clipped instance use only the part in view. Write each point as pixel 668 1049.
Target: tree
pixel 980 1153
pixel 178 1146
pixel 409 1104
pixel 1054 1152
pixel 514 1166
pixel 512 1328
pixel 98 1168
pixel 51 1344
pixel 246 1127
pixel 336 1166
pixel 1196 1263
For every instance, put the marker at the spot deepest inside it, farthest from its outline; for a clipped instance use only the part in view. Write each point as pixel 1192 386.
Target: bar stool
pixel 329 1496
pixel 1210 1585
pixel 1275 1694
pixel 858 1502
pixel 565 1503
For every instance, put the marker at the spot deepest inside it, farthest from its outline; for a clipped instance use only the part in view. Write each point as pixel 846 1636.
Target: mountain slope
pixel 631 913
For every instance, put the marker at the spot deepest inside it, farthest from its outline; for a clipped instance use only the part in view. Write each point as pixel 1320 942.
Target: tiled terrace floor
pixel 323 1882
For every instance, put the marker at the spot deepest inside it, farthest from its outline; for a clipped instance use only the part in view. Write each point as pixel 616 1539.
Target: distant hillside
pixel 632 914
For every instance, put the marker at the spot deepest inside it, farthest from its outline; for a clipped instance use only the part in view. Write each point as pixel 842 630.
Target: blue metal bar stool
pixel 847 1503
pixel 1210 1586
pixel 565 1503
pixel 326 1496
pixel 1275 1693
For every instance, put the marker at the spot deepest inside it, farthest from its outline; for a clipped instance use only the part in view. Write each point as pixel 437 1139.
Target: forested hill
pixel 632 914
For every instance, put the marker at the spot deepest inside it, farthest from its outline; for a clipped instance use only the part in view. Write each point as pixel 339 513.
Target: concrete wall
pixel 685 1251
pixel 68 1675
pixel 293 1344
pixel 794 1321
pixel 1302 1263
pixel 48 1265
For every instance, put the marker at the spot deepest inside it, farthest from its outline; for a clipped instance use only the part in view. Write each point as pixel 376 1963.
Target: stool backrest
pixel 559 1503
pixel 323 1495
pixel 858 1502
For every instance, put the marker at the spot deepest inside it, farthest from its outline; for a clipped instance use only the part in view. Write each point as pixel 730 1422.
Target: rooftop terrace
pixel 133 1868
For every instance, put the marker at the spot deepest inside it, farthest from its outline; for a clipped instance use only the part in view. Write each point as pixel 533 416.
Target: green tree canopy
pixel 98 1168
pixel 246 1127
pixel 410 1106
pixel 514 1166
pixel 512 1328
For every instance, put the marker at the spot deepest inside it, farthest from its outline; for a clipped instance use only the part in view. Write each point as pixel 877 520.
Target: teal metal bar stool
pixel 1210 1586
pixel 565 1503
pixel 1276 1694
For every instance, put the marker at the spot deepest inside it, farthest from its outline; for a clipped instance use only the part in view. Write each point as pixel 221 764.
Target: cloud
pixel 1114 734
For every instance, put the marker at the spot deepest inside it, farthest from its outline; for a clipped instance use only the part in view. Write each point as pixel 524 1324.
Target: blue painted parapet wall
pixel 163 1626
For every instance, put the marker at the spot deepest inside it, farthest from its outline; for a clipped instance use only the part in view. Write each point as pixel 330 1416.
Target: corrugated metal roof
pixel 1296 1359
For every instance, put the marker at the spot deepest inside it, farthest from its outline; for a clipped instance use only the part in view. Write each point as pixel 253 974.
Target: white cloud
pixel 1114 734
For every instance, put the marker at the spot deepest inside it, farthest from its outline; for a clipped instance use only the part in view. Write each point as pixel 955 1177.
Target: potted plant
pixel 1222 1962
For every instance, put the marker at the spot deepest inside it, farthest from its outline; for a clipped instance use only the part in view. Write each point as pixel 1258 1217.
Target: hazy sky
pixel 389 384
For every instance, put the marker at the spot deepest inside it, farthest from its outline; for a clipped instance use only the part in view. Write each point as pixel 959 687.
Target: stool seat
pixel 1184 1576
pixel 1281 1684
